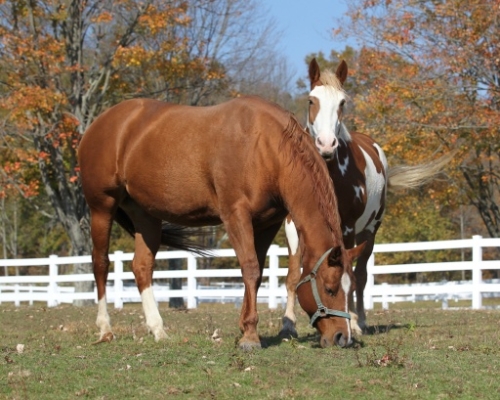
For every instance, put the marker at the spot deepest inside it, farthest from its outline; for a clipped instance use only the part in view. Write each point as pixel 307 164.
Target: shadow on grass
pixel 271 341
pixel 312 339
pixel 379 329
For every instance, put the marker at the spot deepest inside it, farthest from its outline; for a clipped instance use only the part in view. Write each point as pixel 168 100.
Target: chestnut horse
pixel 361 176
pixel 246 164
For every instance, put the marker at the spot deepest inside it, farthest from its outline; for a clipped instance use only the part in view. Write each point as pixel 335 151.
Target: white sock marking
pixel 345 282
pixel 103 322
pixel 153 318
pixel 292 236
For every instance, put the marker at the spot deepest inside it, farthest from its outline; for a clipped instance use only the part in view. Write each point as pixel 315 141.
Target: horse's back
pixel 371 149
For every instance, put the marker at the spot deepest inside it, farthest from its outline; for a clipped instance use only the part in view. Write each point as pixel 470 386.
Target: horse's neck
pixel 304 205
pixel 344 133
pixel 341 166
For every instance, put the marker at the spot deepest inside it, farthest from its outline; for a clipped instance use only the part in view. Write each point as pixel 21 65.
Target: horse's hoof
pixel 288 331
pixel 160 336
pixel 249 346
pixel 105 338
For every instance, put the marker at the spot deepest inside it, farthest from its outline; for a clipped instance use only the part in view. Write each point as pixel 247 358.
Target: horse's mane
pixel 302 150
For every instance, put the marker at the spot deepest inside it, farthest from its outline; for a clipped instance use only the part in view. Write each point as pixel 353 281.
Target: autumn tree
pixel 431 74
pixel 64 62
pixel 61 62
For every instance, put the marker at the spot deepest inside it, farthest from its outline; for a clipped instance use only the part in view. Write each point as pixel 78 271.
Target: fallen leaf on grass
pixel 384 361
pixel 108 337
pixel 216 336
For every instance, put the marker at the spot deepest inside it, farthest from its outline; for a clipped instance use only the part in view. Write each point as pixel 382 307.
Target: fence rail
pixel 53 287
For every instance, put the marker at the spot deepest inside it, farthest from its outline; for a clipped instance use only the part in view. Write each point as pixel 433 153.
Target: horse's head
pixel 326 104
pixel 323 295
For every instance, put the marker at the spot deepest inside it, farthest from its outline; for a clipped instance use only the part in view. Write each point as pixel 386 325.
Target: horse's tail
pixel 413 176
pixel 172 235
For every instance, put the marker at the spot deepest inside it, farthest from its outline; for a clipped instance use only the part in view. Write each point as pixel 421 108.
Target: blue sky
pixel 306 26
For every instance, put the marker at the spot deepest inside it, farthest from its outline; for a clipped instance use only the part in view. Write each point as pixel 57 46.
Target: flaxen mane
pixel 328 78
pixel 302 149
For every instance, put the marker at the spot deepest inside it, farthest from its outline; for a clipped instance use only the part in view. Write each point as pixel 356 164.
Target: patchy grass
pixel 410 353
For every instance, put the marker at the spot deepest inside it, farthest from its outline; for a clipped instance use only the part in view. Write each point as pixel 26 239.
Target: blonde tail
pixel 413 176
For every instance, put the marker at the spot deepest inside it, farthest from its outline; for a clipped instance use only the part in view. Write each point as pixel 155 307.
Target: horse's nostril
pixel 339 339
pixel 334 143
pixel 319 142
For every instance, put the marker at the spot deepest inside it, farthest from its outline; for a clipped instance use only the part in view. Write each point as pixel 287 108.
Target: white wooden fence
pixel 55 289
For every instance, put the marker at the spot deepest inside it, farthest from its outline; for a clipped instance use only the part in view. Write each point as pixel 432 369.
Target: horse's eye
pixel 310 102
pixel 330 291
pixel 342 103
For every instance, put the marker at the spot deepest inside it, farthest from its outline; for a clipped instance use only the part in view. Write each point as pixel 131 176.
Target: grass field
pixel 410 353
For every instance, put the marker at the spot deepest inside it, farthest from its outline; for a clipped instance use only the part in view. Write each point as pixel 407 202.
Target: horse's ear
pixel 335 257
pixel 356 251
pixel 341 72
pixel 314 72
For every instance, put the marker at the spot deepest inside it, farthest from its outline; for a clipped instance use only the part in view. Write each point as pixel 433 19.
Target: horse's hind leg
pixel 147 243
pixel 292 279
pixel 101 221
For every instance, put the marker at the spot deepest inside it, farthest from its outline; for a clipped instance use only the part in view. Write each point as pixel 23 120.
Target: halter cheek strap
pixel 322 310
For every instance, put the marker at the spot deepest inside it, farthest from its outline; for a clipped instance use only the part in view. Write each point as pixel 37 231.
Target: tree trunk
pixel 79 234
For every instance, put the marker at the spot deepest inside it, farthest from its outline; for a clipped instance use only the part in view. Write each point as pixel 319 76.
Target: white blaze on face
pixel 292 236
pixel 325 110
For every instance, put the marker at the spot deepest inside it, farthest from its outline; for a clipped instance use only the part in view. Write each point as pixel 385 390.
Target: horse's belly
pixel 186 203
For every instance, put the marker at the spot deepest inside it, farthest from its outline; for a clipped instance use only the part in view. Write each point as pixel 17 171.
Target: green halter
pixel 322 310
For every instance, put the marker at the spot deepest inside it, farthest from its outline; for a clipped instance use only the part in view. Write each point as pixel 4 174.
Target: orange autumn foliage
pixel 429 82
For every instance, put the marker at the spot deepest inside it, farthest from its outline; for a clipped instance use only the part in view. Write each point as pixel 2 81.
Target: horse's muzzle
pixel 339 339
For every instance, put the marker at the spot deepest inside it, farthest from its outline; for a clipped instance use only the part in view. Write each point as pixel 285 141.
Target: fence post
pixel 52 287
pixel 477 278
pixel 370 282
pixel 17 303
pixel 274 264
pixel 118 264
pixel 385 297
pixel 192 300
pixel 30 293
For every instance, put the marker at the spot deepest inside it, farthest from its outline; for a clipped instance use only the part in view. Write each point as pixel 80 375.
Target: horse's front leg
pixel 240 232
pixel 292 279
pixel 349 241
pixel 360 274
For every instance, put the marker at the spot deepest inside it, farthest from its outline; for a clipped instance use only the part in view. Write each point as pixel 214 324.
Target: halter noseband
pixel 322 311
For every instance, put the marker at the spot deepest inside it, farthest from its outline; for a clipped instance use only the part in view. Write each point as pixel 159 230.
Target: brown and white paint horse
pixel 361 176
pixel 246 164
